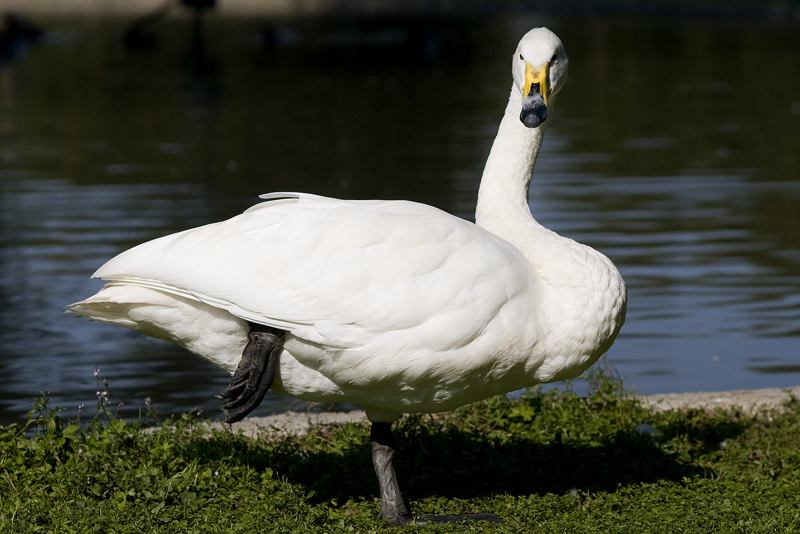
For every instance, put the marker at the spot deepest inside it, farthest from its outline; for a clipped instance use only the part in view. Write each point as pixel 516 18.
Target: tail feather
pixel 209 332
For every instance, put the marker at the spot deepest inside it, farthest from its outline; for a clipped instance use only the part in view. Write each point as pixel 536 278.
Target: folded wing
pixel 338 273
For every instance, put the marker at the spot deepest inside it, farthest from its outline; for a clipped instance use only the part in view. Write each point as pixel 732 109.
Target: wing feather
pixel 337 273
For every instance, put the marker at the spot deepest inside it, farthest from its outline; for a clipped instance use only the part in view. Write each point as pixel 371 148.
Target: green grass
pixel 551 462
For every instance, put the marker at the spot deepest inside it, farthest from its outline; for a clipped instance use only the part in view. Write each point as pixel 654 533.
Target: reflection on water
pixel 659 153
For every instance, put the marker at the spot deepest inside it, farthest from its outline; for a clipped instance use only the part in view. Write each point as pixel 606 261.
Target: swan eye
pixel 522 58
pixel 552 59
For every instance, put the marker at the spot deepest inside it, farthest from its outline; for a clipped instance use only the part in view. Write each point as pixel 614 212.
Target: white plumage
pixel 397 306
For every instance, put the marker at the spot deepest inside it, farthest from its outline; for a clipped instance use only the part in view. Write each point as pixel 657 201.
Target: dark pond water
pixel 674 149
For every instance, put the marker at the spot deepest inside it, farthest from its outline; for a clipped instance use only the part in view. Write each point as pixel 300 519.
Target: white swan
pixel 393 305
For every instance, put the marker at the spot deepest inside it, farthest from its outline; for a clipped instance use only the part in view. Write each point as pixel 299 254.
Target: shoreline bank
pixel 749 400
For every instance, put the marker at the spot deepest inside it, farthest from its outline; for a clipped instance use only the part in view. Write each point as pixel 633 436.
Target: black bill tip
pixel 534 110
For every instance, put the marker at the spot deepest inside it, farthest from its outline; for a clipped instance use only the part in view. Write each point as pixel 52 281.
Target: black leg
pixel 255 372
pixel 394 508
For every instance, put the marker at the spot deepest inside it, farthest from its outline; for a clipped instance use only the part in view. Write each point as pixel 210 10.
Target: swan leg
pixel 255 372
pixel 394 508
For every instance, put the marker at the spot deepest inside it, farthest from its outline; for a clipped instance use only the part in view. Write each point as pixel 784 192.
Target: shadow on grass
pixel 703 431
pixel 449 462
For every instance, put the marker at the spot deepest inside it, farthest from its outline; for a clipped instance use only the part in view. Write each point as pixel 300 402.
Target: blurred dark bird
pixel 16 33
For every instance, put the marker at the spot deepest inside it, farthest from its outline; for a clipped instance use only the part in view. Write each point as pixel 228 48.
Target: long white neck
pixel 503 195
pixel 580 283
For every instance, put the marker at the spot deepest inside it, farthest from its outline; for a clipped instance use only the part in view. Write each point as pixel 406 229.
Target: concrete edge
pixel 299 423
pixel 749 400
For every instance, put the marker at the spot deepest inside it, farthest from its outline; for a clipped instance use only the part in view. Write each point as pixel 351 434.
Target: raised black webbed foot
pixel 255 372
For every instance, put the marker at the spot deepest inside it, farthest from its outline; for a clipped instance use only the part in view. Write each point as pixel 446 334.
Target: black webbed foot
pixel 255 372
pixel 460 519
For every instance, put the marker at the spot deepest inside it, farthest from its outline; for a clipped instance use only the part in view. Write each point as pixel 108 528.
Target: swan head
pixel 540 69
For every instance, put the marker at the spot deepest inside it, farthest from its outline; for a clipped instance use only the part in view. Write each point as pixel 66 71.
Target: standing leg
pixel 394 507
